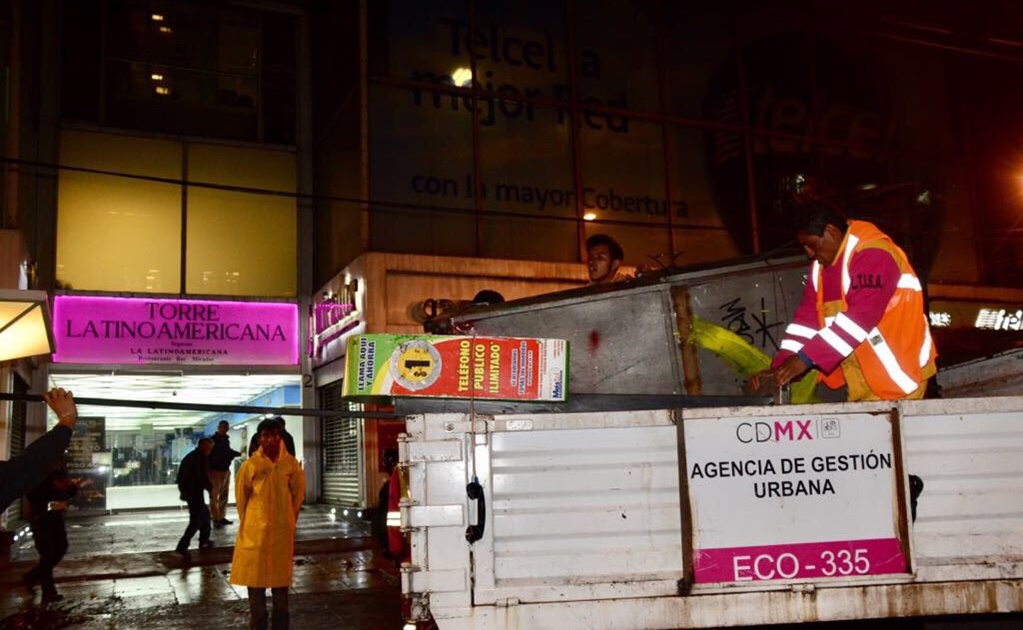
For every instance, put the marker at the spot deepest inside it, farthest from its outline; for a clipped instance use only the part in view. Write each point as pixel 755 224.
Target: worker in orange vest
pixel 862 322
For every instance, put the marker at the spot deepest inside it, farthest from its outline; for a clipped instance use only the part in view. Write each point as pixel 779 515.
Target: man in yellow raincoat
pixel 269 492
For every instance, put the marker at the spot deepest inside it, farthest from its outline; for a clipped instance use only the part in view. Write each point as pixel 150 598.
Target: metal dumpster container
pixel 631 337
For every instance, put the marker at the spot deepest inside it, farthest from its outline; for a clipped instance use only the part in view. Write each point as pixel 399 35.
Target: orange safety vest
pixel 896 358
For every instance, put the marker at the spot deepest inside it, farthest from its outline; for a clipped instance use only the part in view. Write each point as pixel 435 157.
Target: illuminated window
pixel 118 233
pixel 241 243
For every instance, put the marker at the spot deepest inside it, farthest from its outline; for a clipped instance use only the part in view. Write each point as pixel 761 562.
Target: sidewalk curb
pixel 76 569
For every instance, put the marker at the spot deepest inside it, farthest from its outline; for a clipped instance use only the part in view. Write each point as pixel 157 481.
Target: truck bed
pixel 636 520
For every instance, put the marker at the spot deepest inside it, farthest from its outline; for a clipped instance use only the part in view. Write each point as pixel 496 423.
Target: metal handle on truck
pixel 475 492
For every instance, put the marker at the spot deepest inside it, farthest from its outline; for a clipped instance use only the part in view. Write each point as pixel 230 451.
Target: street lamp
pixel 24 324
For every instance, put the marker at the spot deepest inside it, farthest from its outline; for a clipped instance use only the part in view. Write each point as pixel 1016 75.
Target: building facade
pixel 510 130
pixel 259 153
pixel 156 165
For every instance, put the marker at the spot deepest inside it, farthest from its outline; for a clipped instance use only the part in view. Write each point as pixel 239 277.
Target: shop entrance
pixel 131 455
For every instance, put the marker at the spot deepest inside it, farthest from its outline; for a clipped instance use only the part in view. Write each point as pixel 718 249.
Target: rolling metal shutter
pixel 19 411
pixel 342 451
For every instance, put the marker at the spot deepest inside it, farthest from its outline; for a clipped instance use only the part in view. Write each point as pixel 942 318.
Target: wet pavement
pixel 121 572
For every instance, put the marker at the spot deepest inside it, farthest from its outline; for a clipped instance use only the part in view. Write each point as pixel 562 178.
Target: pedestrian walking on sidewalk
pixel 193 481
pixel 48 502
pixel 269 493
pixel 220 473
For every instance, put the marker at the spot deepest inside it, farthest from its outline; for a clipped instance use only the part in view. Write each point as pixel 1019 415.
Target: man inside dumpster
pixel 604 258
pixel 861 322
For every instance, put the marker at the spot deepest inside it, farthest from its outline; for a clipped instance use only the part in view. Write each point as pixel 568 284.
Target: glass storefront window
pixel 241 243
pixel 131 455
pixel 117 233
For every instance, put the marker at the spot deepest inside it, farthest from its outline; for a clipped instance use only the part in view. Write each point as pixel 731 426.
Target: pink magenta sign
pixel 800 561
pixel 174 332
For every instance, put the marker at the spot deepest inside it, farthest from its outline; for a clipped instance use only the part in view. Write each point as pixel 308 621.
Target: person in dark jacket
pixel 289 442
pixel 26 471
pixel 193 481
pixel 48 501
pixel 220 473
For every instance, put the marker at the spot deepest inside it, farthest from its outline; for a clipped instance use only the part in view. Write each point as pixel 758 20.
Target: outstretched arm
pixel 25 471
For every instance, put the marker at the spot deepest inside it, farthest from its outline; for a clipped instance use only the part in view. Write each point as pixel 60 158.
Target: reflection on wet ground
pixel 119 573
pixel 134 532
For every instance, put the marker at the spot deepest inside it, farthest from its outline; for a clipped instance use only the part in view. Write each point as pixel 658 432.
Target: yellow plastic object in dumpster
pixel 744 358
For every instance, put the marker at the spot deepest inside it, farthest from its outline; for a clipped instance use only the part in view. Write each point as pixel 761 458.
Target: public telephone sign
pixel 91 329
pixel 443 366
pixel 793 497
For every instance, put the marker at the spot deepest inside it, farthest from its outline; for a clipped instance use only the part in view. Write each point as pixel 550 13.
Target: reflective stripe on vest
pixel 909 281
pixel 850 246
pixel 925 349
pixel 797 330
pixel 836 342
pixel 891 364
pixel 393 519
pixel 846 323
pixel 791 346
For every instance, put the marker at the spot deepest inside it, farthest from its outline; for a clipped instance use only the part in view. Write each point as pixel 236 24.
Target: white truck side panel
pixel 596 501
pixel 970 517
pixel 585 530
